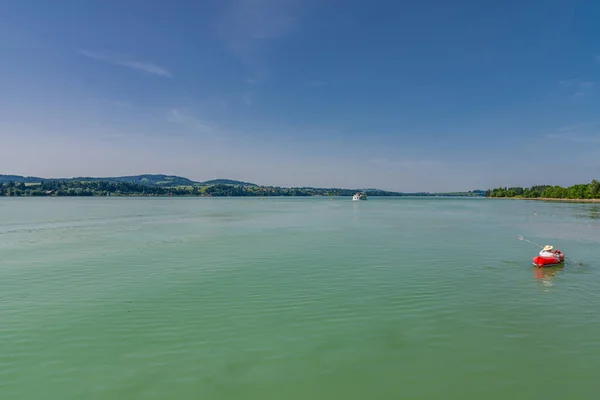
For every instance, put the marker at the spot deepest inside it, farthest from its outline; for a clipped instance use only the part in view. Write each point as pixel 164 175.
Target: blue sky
pixel 401 95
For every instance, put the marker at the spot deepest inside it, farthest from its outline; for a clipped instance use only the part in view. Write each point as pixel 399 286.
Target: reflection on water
pixel 292 299
pixel 355 210
pixel 594 212
pixel 591 212
pixel 545 276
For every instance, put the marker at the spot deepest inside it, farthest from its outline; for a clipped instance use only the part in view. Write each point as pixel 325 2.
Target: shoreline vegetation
pixel 563 200
pixel 580 193
pixel 163 185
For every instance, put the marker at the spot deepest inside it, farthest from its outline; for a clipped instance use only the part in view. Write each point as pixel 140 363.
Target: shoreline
pixel 234 196
pixel 549 199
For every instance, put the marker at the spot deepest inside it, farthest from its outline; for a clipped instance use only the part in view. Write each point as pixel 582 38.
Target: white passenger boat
pixel 359 196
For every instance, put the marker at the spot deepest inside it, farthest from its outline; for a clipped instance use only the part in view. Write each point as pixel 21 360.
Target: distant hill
pixel 19 179
pixel 147 180
pixel 217 187
pixel 227 182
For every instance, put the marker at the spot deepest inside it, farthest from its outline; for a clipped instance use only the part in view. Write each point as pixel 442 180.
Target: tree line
pixel 94 187
pixel 82 188
pixel 264 191
pixel 575 192
pixel 106 188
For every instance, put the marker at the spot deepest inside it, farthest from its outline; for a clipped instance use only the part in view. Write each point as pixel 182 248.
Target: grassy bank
pixel 547 199
pixel 581 193
pixel 559 200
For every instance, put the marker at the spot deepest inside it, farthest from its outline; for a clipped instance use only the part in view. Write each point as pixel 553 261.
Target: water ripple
pixel 293 298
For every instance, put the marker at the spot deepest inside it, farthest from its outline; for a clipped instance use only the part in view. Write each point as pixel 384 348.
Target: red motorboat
pixel 558 258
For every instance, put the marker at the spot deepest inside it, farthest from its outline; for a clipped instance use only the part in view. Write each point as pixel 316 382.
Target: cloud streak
pixel 404 164
pixel 582 134
pixel 577 87
pixel 123 104
pixel 189 121
pixel 245 27
pixel 575 137
pixel 127 62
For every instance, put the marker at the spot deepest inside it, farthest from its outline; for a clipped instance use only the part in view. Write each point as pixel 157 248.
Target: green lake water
pixel 293 298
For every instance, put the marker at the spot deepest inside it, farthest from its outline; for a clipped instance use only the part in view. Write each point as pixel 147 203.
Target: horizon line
pixel 365 188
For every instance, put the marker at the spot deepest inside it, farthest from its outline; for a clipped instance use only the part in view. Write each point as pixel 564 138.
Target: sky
pixel 412 95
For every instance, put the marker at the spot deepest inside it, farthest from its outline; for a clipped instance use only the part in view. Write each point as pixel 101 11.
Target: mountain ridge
pixel 161 180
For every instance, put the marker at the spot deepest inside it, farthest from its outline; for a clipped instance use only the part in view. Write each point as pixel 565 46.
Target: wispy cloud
pixel 186 119
pixel 246 26
pixel 577 87
pixel 123 104
pixel 582 134
pixel 127 62
pixel 248 98
pixel 403 163
pixel 575 137
pixel 115 137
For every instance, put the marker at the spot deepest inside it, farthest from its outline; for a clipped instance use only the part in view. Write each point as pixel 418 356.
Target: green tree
pixel 577 192
pixel 593 189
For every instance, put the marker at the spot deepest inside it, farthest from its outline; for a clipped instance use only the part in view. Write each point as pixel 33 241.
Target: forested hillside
pixel 579 191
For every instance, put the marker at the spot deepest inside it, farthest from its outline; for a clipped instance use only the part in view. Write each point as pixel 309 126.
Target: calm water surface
pixel 289 298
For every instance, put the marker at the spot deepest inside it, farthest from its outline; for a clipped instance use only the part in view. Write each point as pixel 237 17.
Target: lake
pixel 296 298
